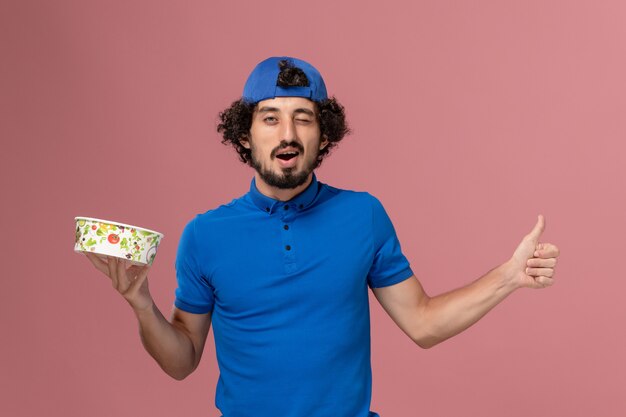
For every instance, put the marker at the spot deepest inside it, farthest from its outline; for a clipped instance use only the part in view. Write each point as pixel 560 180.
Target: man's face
pixel 285 141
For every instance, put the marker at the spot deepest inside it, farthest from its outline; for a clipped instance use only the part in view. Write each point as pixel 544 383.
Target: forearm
pixel 167 344
pixel 450 313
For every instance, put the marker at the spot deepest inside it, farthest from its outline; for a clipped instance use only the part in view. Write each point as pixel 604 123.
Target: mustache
pixel 284 145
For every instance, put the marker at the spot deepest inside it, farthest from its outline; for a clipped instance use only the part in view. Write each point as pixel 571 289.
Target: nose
pixel 288 131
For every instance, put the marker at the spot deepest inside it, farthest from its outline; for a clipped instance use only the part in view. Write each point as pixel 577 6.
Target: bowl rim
pixel 119 224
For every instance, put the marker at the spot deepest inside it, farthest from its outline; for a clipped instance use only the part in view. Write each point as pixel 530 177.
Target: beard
pixel 288 177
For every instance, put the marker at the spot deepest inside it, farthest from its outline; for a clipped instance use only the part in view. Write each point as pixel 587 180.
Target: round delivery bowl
pixel 109 238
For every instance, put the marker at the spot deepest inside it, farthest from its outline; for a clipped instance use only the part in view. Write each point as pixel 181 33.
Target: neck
pixel 280 194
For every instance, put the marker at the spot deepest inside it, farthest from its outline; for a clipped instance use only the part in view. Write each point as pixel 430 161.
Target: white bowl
pixel 105 237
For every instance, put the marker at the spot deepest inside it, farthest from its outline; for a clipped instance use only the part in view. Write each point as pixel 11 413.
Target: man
pixel 283 271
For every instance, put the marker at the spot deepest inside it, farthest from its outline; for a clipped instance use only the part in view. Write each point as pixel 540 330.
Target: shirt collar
pixel 270 205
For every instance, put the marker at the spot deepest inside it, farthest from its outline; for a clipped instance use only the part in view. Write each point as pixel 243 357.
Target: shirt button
pixel 267 209
pixel 300 206
pixel 286 207
pixel 286 227
pixel 288 247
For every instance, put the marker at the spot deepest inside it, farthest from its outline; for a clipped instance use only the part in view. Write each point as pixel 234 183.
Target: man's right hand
pixel 176 345
pixel 131 282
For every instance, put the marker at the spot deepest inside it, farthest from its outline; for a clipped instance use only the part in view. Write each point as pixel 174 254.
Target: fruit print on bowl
pixel 105 237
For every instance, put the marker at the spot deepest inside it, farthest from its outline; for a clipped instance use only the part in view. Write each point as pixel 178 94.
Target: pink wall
pixel 469 118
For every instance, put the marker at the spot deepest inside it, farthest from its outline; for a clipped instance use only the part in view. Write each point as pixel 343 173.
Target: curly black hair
pixel 236 120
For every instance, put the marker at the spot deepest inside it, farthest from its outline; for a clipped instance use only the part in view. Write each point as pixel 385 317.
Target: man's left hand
pixel 533 263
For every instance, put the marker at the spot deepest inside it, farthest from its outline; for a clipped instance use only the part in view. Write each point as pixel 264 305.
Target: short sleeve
pixel 193 294
pixel 390 266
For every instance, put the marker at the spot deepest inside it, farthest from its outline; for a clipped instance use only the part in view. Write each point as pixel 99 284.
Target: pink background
pixel 469 119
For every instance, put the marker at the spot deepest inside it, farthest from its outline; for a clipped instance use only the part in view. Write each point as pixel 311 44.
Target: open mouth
pixel 287 155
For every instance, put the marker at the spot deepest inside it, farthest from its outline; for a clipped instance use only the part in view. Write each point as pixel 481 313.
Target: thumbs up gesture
pixel 533 262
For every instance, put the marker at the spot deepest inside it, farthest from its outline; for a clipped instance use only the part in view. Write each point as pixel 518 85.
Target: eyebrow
pixel 266 109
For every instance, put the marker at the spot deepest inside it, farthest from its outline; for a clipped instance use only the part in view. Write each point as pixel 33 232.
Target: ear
pixel 244 142
pixel 324 143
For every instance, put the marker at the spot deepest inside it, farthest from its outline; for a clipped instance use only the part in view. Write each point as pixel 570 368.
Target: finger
pixel 133 271
pixel 547 250
pixel 97 262
pixel 541 263
pixel 112 265
pixel 141 277
pixel 538 229
pixel 535 272
pixel 122 276
pixel 544 281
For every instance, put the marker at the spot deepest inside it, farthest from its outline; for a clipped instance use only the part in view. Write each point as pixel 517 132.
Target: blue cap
pixel 261 84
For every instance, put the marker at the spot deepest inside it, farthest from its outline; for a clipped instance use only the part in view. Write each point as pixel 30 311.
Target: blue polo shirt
pixel 287 285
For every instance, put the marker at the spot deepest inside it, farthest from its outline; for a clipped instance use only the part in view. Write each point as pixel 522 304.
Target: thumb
pixel 538 229
pixel 141 277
